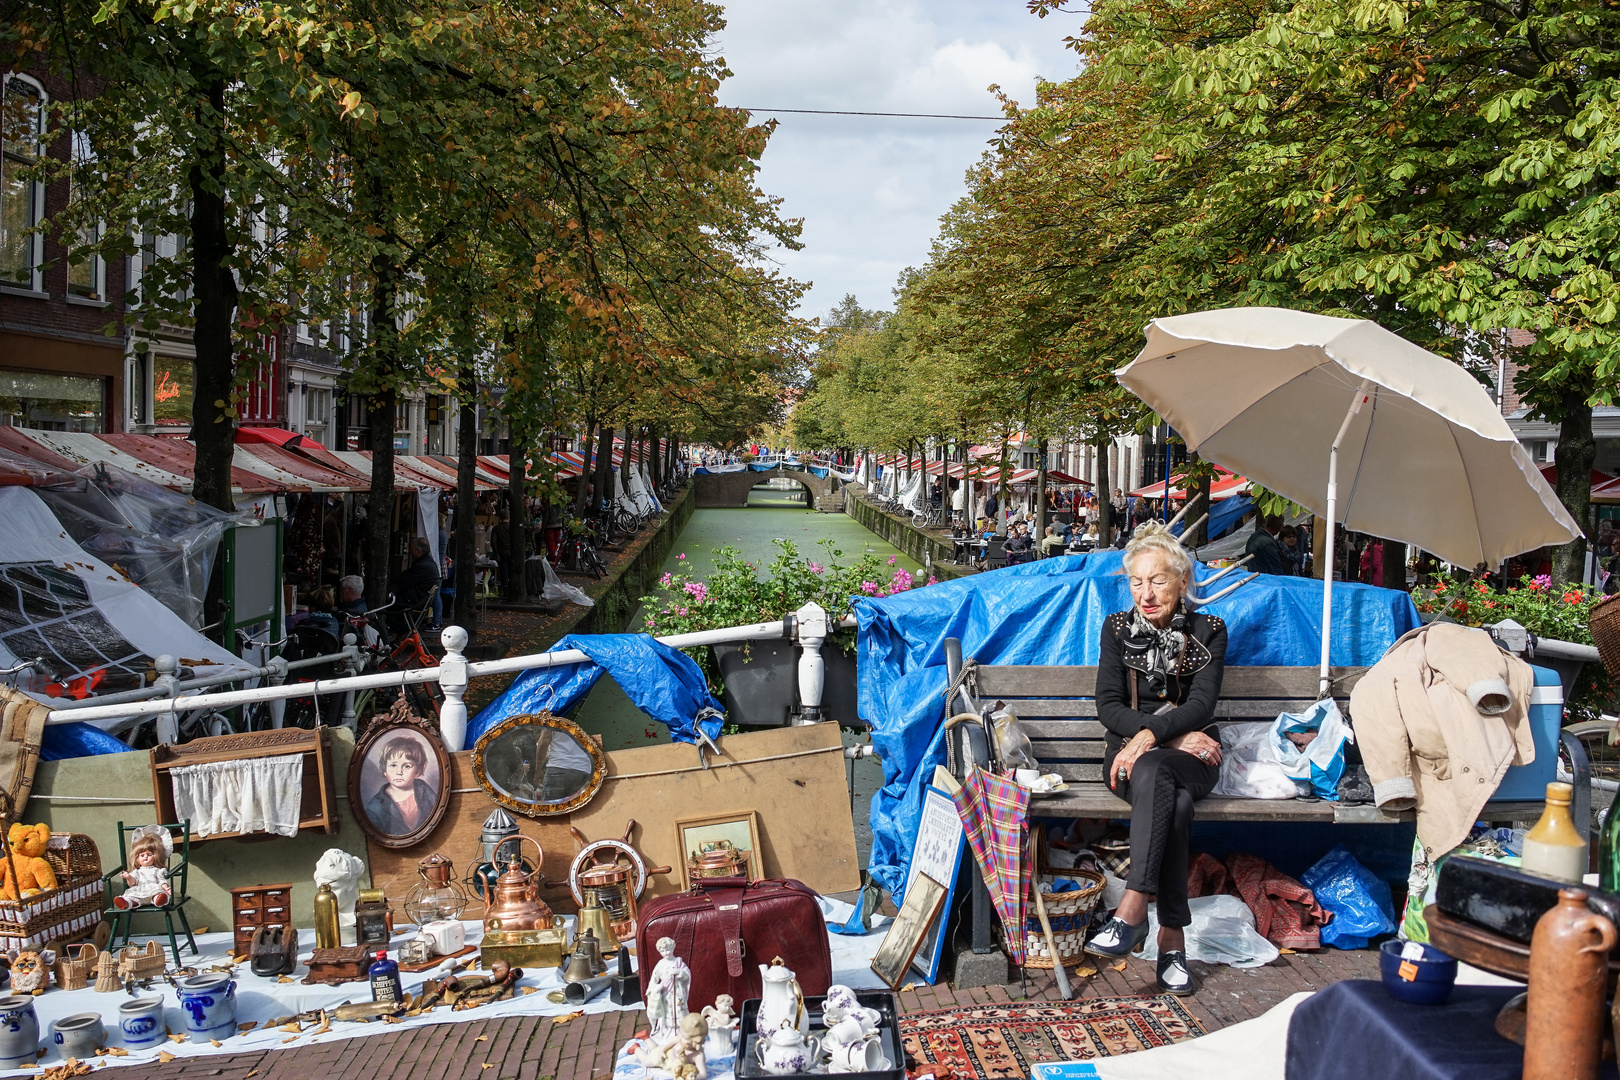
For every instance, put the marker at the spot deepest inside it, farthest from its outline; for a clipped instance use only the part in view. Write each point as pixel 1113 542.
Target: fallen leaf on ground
pixel 239 959
pixel 180 1038
pixel 908 986
pixel 482 1038
pixel 565 1017
pixel 288 1039
pixel 1119 966
pixel 251 1075
pixel 393 1019
pixel 295 1027
pixel 487 1065
pixel 249 1026
pixel 113 1051
pixel 285 979
pixel 1085 972
pixel 215 1042
pixel 165 1057
pixel 530 990
pixel 1287 952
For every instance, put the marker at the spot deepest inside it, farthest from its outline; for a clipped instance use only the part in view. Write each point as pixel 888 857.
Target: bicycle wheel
pixel 593 563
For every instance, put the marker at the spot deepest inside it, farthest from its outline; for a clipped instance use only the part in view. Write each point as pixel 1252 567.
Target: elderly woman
pixel 1158 677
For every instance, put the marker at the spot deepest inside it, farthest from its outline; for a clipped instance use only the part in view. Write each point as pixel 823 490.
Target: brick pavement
pixel 522 1048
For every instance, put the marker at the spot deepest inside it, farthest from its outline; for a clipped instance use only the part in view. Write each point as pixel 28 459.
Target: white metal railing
pixel 808 627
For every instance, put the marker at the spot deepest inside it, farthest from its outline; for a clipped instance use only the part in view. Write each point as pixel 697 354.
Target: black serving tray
pixel 888 1033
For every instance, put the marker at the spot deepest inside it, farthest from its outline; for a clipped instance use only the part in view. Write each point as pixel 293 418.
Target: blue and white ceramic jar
pixel 19 1032
pixel 209 1002
pixel 79 1035
pixel 141 1022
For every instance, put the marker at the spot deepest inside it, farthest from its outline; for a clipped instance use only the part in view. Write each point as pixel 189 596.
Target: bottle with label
pixel 385 985
pixel 1554 848
pixel 326 917
pixel 1609 852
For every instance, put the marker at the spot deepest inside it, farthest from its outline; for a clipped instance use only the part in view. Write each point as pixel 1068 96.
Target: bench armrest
pixel 1580 767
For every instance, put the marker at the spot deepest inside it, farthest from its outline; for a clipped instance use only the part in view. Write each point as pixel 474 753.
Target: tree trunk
pixel 517 489
pixel 1574 456
pixel 1105 508
pixel 1200 536
pixel 214 300
pixel 466 613
pixel 604 467
pixel 381 405
pixel 1001 491
pixel 582 490
pixel 1040 495
pixel 1394 565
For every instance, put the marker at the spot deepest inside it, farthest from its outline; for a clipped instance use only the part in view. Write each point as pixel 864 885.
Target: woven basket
pixel 1070 916
pixel 70 911
pixel 1604 623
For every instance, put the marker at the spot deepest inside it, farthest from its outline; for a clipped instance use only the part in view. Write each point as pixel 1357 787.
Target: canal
pixel 771 513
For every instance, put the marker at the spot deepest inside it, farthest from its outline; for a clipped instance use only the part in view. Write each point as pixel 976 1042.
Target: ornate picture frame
pixel 387 804
pixel 738 830
pixel 504 764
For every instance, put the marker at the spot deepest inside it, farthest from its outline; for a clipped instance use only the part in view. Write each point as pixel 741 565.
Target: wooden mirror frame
pixel 558 723
pixel 379 730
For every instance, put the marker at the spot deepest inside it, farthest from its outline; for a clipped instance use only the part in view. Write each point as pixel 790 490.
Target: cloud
pixel 872 189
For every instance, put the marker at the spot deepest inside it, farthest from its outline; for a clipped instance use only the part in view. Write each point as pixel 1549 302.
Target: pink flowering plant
pixel 739 592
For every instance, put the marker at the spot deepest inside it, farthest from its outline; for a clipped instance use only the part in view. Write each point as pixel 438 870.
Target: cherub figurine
pixel 147 880
pixel 681 1055
pixel 667 989
pixel 723 1022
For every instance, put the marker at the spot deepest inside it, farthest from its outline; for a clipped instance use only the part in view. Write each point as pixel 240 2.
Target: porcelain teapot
pixel 786 1051
pixel 781 1001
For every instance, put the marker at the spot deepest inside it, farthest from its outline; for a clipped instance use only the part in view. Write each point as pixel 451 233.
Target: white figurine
pixel 666 992
pixel 342 871
pixel 723 1023
pixel 681 1056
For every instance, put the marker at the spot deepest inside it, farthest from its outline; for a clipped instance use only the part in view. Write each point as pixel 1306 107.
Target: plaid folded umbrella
pixel 994 813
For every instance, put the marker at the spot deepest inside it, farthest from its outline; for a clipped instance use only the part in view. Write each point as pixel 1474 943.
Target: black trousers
pixel 1163 786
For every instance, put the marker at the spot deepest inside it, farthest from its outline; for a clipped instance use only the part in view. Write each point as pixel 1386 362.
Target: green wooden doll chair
pixel 179 867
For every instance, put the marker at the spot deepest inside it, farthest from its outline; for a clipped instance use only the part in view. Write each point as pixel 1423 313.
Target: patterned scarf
pixel 1160 648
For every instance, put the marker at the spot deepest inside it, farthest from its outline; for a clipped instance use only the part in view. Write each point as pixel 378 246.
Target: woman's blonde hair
pixel 1153 536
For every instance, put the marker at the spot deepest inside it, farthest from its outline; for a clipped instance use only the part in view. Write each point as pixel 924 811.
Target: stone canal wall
pixel 903 535
pixel 618 596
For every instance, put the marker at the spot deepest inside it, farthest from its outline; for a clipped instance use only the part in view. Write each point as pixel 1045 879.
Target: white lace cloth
pixel 253 795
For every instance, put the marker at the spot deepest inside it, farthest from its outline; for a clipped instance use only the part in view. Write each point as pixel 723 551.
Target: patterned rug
pixel 994 1041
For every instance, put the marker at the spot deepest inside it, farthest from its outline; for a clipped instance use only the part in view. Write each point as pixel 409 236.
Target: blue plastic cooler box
pixel 1528 783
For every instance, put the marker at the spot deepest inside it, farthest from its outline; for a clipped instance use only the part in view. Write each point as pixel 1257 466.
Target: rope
pixel 731 764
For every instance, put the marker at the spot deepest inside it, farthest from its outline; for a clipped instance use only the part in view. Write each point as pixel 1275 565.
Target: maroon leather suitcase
pixel 725 928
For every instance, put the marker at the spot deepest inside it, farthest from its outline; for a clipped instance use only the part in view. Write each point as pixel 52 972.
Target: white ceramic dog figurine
pixel 342 871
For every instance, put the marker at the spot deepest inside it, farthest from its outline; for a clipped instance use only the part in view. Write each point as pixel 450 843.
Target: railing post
pixel 453 681
pixel 351 666
pixel 277 677
pixel 167 725
pixel 812 631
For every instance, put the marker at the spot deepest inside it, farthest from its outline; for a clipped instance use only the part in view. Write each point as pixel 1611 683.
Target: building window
pixel 172 384
pixel 22 200
pixel 51 402
pixel 317 413
pixel 87 270
pixel 150 250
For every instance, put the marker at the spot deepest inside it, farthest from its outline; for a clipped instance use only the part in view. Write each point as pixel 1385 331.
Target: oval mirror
pixel 539 764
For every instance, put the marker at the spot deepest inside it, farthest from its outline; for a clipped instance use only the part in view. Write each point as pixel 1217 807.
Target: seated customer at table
pixel 1158 677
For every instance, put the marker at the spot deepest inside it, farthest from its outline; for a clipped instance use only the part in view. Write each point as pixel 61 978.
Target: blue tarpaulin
pixel 78 739
pixel 664 683
pixel 1051 612
pixel 1226 514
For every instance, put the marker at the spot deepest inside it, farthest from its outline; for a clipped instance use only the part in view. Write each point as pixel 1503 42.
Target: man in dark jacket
pixel 420 581
pixel 1268 557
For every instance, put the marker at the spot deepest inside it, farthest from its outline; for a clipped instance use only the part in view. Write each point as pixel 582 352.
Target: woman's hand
pixel 1199 745
pixel 1125 760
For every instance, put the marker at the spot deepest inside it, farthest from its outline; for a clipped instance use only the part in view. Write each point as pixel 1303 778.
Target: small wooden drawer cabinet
pixel 253 906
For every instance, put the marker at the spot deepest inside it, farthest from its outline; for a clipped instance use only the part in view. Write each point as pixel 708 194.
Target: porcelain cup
pixel 19 1032
pixel 141 1022
pixel 862 1056
pixel 846 1031
pixel 1026 777
pixel 79 1035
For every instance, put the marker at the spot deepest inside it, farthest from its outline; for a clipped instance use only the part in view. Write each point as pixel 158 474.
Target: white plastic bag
pixel 1316 768
pixel 1249 765
pixel 1222 932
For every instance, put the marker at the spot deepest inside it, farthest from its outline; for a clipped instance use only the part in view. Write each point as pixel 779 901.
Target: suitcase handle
pixel 704 884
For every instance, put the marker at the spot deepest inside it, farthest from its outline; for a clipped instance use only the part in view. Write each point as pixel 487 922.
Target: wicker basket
pixel 1070 916
pixel 1604 623
pixel 69 912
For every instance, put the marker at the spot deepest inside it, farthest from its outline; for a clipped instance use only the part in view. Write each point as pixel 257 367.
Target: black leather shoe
pixel 1117 938
pixel 1174 976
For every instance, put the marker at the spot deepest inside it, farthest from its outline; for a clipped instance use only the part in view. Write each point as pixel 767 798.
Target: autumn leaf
pixel 1085 972
pixel 1119 966
pixel 482 1038
pixel 165 1057
pixel 565 1017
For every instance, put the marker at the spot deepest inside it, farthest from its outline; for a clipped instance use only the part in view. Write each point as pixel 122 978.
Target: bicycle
pixel 932 518
pixel 409 653
pixel 578 553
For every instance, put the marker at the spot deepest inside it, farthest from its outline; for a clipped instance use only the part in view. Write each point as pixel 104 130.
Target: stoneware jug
pixel 209 1002
pixel 1569 955
pixel 19 1032
pixel 141 1022
pixel 786 1050
pixel 79 1035
pixel 781 1000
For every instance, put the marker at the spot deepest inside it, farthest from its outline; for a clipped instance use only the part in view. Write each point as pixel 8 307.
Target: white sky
pixel 871 189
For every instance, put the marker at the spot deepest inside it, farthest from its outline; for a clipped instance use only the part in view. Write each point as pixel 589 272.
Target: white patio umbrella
pixel 1277 395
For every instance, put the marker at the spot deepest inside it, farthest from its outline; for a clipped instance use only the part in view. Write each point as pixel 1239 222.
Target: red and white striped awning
pixel 1224 486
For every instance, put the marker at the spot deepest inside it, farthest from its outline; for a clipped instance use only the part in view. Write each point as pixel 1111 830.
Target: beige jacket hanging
pixel 1439 720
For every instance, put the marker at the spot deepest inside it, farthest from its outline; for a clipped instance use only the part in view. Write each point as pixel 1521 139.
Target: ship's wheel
pixel 610 852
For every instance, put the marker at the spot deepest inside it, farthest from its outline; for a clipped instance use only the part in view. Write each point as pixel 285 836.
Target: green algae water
pixel 771 513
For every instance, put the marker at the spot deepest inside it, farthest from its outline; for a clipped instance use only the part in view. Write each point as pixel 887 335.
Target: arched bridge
pixel 715 490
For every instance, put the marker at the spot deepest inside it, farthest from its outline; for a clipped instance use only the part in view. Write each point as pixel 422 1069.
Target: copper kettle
pixel 516 904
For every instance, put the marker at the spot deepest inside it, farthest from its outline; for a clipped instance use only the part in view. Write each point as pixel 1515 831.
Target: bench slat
pixel 1240 707
pixel 1034 680
pixel 1067 750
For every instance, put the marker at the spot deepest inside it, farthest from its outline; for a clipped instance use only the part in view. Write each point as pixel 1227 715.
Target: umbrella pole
pixel 1361 397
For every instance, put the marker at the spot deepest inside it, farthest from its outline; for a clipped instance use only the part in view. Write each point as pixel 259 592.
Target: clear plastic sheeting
pixel 164 541
pixel 1222 932
pixel 557 589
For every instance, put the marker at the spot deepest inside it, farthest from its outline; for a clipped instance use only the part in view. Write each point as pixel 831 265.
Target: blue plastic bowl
pixel 1436 975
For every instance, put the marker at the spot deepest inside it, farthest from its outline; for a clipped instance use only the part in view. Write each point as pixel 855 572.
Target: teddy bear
pixel 34 874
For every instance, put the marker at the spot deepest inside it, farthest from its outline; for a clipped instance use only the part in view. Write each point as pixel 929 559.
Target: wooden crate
pixel 253 906
pixel 318 807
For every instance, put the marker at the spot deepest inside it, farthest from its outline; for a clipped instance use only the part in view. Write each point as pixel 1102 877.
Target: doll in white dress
pixel 147 879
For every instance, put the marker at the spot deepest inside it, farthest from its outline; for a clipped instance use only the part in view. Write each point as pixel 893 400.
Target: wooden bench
pixel 1057 712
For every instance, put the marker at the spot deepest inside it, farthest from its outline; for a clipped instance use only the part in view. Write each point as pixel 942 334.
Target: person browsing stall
pixel 1158 678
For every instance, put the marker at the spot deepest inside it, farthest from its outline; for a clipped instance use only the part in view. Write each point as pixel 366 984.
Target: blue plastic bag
pixel 1317 767
pixel 1361 903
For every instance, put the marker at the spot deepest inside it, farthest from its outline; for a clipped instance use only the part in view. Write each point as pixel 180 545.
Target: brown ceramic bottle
pixel 1569 960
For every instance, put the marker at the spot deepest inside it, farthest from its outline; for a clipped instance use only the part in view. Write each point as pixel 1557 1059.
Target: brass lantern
pixel 437 895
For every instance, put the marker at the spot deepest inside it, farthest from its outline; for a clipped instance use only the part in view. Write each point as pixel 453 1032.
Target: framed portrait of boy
pixel 398 781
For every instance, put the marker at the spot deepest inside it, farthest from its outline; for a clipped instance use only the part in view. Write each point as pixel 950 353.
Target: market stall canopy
pixel 405 476
pixel 1223 486
pixel 1426 456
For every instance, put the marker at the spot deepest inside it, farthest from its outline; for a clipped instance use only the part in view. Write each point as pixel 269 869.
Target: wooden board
pixel 794 778
pixel 1033 680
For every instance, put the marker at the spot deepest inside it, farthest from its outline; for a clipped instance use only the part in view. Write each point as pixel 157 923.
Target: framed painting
pixel 539 764
pixel 398 780
pixel 710 846
pixel 925 899
pixel 941 840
